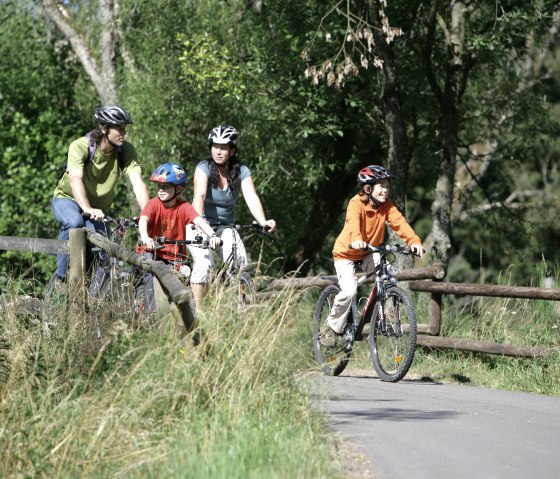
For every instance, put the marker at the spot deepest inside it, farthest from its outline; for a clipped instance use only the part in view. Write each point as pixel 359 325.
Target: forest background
pixel 460 99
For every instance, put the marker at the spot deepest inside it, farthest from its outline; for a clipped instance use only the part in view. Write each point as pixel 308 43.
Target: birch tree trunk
pixel 448 99
pixel 98 63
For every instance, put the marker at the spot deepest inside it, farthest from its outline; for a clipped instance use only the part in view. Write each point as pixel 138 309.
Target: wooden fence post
pixel 76 273
pixel 435 314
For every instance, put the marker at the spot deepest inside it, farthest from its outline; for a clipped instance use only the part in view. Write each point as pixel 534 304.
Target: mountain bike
pixel 181 264
pixel 235 273
pixel 390 314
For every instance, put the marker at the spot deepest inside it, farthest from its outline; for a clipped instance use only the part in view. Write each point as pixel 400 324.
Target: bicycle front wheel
pixel 332 359
pixel 245 290
pixel 393 338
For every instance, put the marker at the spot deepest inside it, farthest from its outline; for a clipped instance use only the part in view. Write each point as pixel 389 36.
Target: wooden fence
pixel 427 280
pixel 177 294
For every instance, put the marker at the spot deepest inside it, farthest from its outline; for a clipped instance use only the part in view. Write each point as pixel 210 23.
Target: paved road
pixel 418 429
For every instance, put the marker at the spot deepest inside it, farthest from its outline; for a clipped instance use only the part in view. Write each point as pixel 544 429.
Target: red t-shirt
pixel 168 222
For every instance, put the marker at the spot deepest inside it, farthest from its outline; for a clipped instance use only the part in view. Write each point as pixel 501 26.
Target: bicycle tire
pixel 393 340
pixel 331 359
pixel 139 300
pixel 245 290
pixel 54 292
pixel 119 293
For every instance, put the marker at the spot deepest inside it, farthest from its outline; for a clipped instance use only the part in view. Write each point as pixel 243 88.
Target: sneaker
pixel 328 337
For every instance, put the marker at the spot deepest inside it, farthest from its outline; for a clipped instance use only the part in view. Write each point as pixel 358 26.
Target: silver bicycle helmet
pixel 223 135
pixel 112 115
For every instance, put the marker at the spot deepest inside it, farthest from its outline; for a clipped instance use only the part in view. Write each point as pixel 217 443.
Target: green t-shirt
pixel 100 175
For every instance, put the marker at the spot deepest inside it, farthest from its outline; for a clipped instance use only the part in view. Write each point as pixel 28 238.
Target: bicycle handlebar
pixel 254 225
pixel 126 222
pixel 198 241
pixel 387 248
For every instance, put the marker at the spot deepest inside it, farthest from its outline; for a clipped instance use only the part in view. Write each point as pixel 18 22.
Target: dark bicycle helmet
pixel 223 135
pixel 112 115
pixel 371 174
pixel 170 173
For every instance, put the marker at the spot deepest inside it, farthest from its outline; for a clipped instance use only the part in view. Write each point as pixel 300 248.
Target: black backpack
pixel 92 148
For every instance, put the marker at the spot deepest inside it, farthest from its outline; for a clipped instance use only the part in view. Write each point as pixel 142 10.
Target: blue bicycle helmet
pixel 170 173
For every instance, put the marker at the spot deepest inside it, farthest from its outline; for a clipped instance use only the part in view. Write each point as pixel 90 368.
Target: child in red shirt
pixel 167 215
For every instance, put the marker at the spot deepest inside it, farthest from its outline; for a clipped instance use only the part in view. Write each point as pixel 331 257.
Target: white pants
pixel 348 282
pixel 203 261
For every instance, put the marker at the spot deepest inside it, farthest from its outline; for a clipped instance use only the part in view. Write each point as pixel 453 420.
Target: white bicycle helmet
pixel 112 115
pixel 223 135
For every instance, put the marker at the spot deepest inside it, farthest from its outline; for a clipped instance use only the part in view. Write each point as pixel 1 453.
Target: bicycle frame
pixel 232 261
pixel 359 320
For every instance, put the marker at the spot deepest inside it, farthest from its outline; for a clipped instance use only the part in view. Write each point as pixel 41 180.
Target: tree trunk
pixel 398 154
pixel 102 72
pixel 448 99
pixel 327 204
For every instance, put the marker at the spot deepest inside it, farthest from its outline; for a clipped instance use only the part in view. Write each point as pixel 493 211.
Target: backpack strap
pixel 92 148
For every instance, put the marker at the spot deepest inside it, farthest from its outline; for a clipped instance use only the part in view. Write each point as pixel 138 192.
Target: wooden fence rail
pixel 437 289
pixel 420 280
pixel 176 292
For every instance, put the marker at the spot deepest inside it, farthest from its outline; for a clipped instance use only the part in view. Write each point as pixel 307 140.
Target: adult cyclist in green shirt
pixel 88 186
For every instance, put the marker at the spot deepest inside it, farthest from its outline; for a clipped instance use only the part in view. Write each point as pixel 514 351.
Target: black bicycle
pixel 108 278
pixel 387 310
pixel 180 264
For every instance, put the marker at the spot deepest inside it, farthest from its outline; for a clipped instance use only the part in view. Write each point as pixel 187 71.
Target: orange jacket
pixel 363 223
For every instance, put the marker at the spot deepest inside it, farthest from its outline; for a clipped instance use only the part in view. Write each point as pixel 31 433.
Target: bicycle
pixel 391 316
pixel 181 264
pixel 234 272
pixel 111 280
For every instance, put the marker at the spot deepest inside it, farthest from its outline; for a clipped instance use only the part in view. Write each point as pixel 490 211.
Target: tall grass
pixel 143 403
pixel 520 322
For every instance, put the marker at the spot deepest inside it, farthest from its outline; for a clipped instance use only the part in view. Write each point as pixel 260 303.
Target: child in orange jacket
pixel 366 215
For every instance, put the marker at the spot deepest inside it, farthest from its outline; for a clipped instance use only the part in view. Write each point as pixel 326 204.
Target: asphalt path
pixel 421 429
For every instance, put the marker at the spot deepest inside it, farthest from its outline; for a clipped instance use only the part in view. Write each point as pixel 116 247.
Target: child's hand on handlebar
pixel 418 250
pixel 149 243
pixel 358 245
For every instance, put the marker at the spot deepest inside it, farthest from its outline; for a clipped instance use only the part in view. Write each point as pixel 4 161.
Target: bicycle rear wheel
pixel 393 338
pixel 120 293
pixel 332 359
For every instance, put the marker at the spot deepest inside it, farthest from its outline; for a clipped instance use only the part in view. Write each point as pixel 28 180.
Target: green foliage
pixel 193 65
pixel 37 118
pixel 209 67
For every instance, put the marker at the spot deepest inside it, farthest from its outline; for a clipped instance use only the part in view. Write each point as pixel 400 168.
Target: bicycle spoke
pixel 393 340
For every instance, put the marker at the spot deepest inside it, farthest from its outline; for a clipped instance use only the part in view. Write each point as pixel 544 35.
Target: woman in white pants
pixel 218 181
